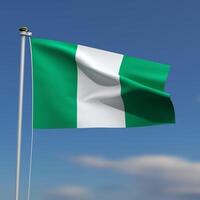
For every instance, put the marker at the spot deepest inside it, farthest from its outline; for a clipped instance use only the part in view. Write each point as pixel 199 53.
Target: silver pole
pixel 23 32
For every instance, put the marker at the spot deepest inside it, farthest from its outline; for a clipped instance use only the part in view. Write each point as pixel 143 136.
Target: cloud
pixel 157 176
pixel 71 192
pixel 93 161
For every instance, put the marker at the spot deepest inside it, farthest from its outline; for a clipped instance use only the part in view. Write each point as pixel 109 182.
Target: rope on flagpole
pixel 32 132
pixel 30 166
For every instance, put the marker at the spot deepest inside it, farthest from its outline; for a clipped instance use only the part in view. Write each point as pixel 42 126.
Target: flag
pixel 76 86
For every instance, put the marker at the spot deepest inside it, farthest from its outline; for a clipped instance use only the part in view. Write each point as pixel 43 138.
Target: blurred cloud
pixel 157 176
pixel 70 192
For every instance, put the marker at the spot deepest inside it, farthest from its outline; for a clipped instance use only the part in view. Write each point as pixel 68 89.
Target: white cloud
pixel 93 161
pixel 71 192
pixel 163 175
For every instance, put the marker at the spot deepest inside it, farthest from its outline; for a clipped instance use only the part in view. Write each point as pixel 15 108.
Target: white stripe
pixel 99 102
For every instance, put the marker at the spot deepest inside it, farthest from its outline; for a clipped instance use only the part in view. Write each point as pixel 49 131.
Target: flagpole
pixel 24 32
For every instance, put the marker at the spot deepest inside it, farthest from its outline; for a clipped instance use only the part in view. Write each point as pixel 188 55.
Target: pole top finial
pixel 24 31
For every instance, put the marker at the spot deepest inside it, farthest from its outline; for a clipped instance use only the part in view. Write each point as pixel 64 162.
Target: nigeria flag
pixel 75 86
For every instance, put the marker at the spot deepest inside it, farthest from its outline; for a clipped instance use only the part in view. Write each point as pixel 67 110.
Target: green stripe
pixel 142 90
pixel 54 84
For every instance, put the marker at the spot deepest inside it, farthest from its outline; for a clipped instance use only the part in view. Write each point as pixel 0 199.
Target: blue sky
pixel 160 162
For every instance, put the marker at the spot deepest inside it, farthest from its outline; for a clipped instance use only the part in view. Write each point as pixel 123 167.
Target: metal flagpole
pixel 23 32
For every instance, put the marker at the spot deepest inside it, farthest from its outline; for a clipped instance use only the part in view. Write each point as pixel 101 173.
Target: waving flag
pixel 75 86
